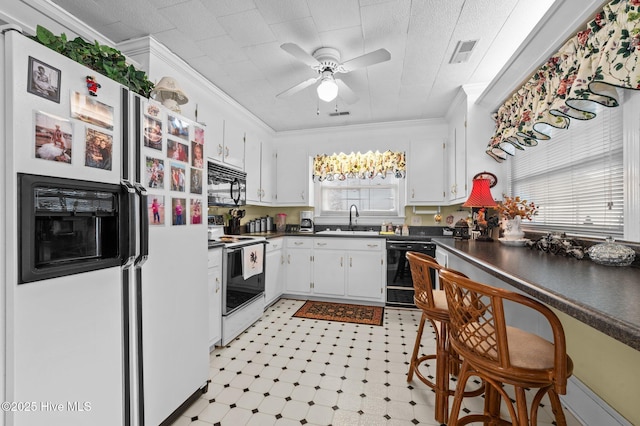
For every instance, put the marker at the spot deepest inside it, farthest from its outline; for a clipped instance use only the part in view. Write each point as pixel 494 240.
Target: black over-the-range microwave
pixel 226 187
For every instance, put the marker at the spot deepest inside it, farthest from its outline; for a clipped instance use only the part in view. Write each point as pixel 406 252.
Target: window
pixel 377 197
pixel 576 177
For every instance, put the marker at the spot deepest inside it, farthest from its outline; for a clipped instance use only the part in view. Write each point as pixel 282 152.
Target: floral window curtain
pixel 585 71
pixel 356 165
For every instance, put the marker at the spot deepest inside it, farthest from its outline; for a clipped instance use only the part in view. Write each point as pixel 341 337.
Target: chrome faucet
pixel 353 206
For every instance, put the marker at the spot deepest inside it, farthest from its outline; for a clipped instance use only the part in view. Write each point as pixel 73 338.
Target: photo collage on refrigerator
pixel 54 137
pixel 175 165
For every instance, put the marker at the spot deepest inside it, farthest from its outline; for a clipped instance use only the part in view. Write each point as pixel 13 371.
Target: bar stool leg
pixel 416 347
pixel 442 374
pixel 521 403
pixel 556 407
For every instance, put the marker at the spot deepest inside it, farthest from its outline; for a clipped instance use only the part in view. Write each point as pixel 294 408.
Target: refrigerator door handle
pixel 127 237
pixel 143 225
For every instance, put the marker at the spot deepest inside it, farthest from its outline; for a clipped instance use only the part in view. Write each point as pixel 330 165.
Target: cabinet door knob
pixel 350 261
pixel 413 193
pixel 341 261
pixel 219 149
pixel 289 259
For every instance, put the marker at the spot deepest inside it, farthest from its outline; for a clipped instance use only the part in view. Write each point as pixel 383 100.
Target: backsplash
pixel 417 221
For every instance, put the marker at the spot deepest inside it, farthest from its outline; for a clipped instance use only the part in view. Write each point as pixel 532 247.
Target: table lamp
pixel 480 200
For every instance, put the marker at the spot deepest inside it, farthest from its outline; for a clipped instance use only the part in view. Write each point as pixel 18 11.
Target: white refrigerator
pixel 126 344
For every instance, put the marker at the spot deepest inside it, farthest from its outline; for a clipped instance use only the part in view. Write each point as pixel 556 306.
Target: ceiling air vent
pixel 463 51
pixel 338 114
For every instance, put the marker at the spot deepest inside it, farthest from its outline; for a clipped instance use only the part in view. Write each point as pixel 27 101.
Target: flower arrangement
pixel 514 206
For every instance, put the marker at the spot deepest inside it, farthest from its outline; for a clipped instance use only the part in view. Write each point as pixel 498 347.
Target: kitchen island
pixel 599 307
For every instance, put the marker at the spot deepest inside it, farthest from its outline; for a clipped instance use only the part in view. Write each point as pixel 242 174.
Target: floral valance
pixel 358 165
pixel 583 73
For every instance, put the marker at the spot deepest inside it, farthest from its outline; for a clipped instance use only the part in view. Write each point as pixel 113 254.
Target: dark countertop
pixel 269 235
pixel 606 298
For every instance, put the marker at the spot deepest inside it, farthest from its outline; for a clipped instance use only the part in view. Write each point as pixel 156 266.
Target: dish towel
pixel 252 260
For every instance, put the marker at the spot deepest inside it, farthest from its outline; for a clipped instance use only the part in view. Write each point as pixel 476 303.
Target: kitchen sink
pixel 340 232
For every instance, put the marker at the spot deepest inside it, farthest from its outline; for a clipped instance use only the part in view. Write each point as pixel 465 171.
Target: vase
pixel 512 229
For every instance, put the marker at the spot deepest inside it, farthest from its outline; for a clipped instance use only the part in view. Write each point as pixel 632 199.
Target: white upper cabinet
pixel 458 183
pixel 229 149
pixel 293 177
pixel 469 128
pixel 258 164
pixel 426 172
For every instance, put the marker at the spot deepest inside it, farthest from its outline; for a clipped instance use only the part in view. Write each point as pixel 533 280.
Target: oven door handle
pixel 143 225
pixel 233 250
pixel 128 215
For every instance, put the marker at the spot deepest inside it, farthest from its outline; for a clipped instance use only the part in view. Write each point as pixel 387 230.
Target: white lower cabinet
pixel 298 265
pixel 366 272
pixel 214 280
pixel 274 270
pixel 340 268
pixel 329 272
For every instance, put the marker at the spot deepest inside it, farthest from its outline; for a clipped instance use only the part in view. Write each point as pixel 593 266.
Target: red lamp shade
pixel 480 195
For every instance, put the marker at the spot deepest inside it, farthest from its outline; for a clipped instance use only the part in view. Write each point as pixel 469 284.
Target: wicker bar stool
pixel 433 305
pixel 501 354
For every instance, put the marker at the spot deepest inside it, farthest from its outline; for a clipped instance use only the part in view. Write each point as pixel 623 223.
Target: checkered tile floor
pixel 294 371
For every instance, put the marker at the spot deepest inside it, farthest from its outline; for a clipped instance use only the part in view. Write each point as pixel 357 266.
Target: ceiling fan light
pixel 327 89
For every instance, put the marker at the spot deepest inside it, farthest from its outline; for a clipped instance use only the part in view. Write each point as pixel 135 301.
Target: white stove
pixel 242 293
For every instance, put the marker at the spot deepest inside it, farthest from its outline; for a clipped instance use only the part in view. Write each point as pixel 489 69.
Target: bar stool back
pixel 501 354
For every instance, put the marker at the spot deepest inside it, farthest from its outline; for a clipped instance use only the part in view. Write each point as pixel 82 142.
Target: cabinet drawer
pixel 299 242
pixel 214 258
pixel 329 243
pixel 334 243
pixel 369 244
pixel 274 244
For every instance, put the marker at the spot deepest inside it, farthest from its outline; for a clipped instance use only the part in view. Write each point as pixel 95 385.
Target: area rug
pixel 342 312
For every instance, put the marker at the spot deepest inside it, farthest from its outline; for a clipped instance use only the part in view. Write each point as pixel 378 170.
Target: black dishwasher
pixel 399 282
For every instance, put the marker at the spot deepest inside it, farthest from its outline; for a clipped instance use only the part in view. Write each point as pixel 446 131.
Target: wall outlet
pixel 416 221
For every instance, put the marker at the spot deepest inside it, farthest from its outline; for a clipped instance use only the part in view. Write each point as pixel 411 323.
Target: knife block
pixel 234 226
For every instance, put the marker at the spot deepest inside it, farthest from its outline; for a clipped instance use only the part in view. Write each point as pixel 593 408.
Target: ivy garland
pixel 103 59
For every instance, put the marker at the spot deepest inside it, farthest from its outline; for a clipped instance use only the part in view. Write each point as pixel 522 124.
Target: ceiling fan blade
pixel 345 92
pixel 298 53
pixel 298 87
pixel 375 57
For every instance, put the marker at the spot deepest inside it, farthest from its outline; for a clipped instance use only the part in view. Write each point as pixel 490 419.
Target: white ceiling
pixel 236 45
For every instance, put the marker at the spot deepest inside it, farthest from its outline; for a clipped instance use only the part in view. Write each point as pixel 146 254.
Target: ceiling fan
pixel 326 62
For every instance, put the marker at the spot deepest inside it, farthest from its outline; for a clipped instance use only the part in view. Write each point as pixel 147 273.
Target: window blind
pixel 576 178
